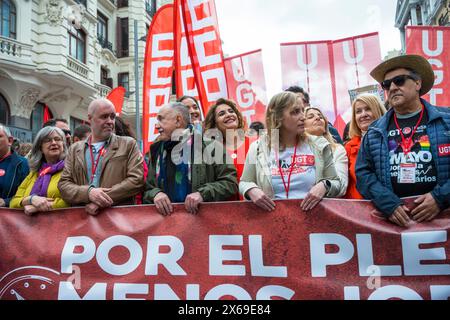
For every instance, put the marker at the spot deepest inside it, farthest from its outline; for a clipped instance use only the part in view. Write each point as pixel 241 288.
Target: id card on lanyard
pixel 94 164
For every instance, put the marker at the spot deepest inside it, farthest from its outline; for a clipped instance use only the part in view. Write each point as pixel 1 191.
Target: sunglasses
pixel 66 132
pixel 398 81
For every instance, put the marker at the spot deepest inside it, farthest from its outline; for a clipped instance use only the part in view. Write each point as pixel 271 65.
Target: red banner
pixel 158 70
pixel 353 60
pixel 433 43
pixel 309 65
pixel 205 49
pixel 116 96
pixel 329 69
pixel 339 250
pixel 184 74
pixel 247 85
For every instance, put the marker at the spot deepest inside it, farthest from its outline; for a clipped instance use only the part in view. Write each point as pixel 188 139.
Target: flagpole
pixel 136 85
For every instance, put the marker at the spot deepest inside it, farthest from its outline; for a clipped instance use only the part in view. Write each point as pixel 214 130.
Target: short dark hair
pixel 81 131
pixel 123 128
pixel 257 125
pixel 297 89
pixel 52 122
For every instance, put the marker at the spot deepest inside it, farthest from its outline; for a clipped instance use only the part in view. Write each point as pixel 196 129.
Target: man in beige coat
pixel 105 169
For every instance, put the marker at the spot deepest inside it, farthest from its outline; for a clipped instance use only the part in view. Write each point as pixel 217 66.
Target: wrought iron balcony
pixel 105 43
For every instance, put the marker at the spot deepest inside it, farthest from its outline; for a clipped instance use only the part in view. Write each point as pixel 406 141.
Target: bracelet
pixel 31 199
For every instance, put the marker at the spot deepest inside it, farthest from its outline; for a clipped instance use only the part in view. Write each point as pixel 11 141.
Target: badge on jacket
pixel 2 172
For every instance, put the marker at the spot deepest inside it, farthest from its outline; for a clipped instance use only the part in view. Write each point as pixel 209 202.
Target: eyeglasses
pixel 398 81
pixel 49 140
pixel 66 132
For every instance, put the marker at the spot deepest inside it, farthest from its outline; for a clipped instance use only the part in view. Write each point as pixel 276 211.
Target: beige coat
pixel 257 170
pixel 122 170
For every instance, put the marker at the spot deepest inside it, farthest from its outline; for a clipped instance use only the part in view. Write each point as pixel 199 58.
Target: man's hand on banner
pixel 163 204
pixel 2 202
pixel 100 198
pixel 192 201
pixel 261 199
pixel 427 208
pixel 92 209
pixel 400 216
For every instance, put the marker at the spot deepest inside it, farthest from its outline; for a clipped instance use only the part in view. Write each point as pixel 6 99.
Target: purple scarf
pixel 45 174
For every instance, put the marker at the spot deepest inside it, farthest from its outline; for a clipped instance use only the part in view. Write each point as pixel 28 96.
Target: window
pixel 124 81
pixel 102 29
pixel 37 118
pixel 122 3
pixel 8 19
pixel 74 122
pixel 4 111
pixel 104 80
pixel 77 44
pixel 122 37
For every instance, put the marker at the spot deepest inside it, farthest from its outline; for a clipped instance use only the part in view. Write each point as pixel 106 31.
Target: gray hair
pixel 96 103
pixel 182 110
pixel 37 157
pixel 6 130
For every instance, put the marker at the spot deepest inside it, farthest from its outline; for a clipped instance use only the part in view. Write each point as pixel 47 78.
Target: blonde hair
pixel 327 135
pixel 375 105
pixel 274 114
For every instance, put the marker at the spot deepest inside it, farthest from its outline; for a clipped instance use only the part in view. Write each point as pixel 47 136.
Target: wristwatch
pixel 327 185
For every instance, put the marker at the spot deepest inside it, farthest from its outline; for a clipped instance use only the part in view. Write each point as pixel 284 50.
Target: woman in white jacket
pixel 316 124
pixel 285 163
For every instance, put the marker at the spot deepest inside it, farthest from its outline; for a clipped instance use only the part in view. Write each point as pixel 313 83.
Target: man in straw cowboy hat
pixel 407 151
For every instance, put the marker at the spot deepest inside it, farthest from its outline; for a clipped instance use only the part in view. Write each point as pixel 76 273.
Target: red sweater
pixel 352 148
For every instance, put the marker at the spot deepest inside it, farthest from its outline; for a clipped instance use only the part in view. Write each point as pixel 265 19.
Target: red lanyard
pixel 406 143
pixel 6 156
pixel 288 186
pixel 95 164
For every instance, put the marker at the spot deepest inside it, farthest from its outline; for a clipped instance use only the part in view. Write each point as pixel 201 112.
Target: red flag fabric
pixel 205 49
pixel 47 114
pixel 158 70
pixel 246 85
pixel 117 96
pixel 431 43
pixel 184 74
pixel 339 250
pixel 309 65
pixel 353 59
pixel 329 69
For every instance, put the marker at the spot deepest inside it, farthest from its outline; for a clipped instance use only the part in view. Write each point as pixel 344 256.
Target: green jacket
pixel 215 180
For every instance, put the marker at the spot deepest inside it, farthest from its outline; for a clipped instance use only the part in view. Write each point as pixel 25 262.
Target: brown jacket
pixel 121 170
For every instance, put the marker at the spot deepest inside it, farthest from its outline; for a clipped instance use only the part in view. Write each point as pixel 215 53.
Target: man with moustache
pixel 407 151
pixel 105 169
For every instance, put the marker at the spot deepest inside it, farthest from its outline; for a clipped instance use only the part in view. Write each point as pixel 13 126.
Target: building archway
pixel 4 110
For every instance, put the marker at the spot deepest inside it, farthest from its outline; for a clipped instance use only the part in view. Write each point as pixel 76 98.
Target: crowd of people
pixel 296 154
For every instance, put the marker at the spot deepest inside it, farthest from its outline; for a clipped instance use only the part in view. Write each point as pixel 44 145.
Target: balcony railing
pixel 102 90
pixel 77 67
pixel 105 43
pixel 14 49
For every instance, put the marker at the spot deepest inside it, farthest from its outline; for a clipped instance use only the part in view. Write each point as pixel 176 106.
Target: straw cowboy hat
pixel 413 62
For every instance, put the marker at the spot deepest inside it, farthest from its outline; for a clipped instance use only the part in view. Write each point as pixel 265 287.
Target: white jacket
pixel 257 173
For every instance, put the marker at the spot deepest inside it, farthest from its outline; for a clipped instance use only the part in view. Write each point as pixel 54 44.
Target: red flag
pixel 116 96
pixel 205 50
pixel 309 65
pixel 184 74
pixel 246 85
pixel 158 69
pixel 430 43
pixel 47 114
pixel 353 60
